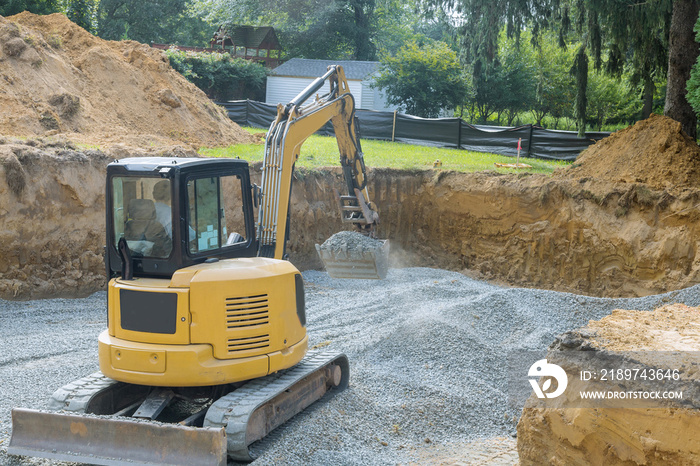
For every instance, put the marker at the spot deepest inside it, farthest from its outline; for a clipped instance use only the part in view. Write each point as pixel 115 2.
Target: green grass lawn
pixel 322 151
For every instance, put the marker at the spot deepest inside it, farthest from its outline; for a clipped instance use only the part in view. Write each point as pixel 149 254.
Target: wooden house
pixel 258 44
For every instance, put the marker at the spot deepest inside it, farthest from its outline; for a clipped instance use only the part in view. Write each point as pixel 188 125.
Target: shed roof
pixel 311 68
pixel 250 36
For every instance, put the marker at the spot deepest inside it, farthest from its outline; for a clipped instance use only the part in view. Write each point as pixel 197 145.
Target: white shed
pixel 290 78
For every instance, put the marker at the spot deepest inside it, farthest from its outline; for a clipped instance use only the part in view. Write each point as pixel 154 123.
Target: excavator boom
pixel 304 115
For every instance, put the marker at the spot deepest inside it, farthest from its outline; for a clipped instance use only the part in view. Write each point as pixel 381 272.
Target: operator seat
pixel 143 226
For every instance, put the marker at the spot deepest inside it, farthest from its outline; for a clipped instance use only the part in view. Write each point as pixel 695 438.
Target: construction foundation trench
pixel 587 236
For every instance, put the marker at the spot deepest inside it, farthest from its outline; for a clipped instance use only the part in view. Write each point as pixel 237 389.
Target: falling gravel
pixel 351 241
pixel 427 350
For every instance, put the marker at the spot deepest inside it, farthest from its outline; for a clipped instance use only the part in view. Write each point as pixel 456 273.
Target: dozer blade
pixel 346 263
pixel 113 441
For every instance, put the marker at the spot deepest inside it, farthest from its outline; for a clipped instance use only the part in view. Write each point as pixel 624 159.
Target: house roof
pixel 250 36
pixel 310 68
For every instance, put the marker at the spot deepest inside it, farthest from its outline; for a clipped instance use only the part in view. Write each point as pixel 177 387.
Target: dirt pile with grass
pixel 655 152
pixel 55 77
pixel 616 432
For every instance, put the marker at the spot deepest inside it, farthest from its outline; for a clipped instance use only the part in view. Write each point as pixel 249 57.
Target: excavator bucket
pixel 344 256
pixel 108 441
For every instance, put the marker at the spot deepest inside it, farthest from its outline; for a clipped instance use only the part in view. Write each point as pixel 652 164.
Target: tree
pixel 82 13
pixel 515 80
pixel 219 75
pixel 145 20
pixel 609 99
pixel 555 89
pixel 693 85
pixel 396 23
pixel 579 70
pixel 682 54
pixel 487 92
pixel 39 7
pixel 306 28
pixel 423 79
pixel 635 32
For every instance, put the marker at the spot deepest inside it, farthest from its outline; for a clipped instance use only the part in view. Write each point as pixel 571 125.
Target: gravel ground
pixel 427 352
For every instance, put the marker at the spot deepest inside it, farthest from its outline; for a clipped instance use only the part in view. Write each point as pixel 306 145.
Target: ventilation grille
pixel 248 311
pixel 247 321
pixel 236 345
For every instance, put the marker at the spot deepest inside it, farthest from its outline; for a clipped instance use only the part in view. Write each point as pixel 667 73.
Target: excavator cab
pixel 210 200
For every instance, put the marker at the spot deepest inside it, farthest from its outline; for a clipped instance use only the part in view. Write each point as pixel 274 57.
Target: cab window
pixel 215 215
pixel 142 214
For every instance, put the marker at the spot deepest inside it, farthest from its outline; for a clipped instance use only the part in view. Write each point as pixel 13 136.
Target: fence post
pixel 247 106
pixel 459 133
pixel 393 127
pixel 529 141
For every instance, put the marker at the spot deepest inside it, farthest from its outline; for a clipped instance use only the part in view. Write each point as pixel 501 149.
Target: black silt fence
pixel 439 132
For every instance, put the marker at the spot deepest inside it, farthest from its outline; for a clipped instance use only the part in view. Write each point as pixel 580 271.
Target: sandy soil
pixel 56 78
pixel 655 152
pixel 675 327
pixel 621 432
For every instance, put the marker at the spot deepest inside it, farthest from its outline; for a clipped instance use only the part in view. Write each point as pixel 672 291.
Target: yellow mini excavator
pixel 206 347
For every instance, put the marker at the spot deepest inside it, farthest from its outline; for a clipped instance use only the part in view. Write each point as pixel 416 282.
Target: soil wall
pixel 591 237
pixel 51 221
pixel 586 236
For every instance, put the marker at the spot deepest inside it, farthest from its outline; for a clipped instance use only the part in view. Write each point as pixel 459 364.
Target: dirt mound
pixel 58 78
pixel 629 432
pixel 654 151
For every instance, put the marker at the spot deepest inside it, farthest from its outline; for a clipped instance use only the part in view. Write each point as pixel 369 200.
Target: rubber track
pixel 233 411
pixel 75 396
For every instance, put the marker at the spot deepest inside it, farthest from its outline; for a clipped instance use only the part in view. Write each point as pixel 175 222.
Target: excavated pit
pixel 582 235
pixel 563 232
pixel 620 222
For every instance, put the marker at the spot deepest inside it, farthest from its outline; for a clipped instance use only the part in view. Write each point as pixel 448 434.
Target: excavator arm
pixel 295 122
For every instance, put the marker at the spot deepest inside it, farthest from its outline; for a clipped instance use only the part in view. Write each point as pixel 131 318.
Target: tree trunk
pixel 364 49
pixel 682 55
pixel 648 97
pixel 580 71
